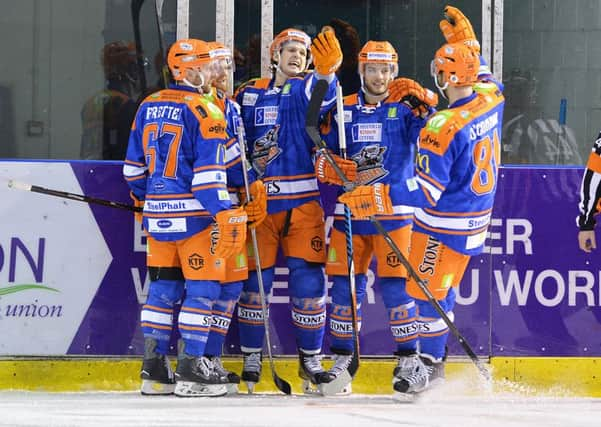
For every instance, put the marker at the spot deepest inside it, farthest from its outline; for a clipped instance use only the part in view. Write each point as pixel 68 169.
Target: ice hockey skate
pixel 195 376
pixel 232 379
pixel 313 374
pixel 157 376
pixel 426 373
pixel 341 381
pixel 251 371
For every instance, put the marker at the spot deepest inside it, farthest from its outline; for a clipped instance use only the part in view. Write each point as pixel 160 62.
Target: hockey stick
pixel 79 197
pixel 158 7
pixel 281 384
pixel 311 123
pixel 136 6
pixel 345 377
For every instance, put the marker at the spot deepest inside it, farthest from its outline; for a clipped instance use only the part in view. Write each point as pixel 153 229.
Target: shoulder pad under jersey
pixel 260 83
pixel 439 131
pixel 351 99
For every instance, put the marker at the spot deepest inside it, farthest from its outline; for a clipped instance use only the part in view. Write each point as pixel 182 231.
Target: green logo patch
pixel 437 121
pixel 286 89
pixel 392 112
pixel 332 257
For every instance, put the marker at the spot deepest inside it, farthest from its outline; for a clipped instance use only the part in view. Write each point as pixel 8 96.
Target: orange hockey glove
pixel 456 28
pixel 368 200
pixel 325 171
pixel 327 54
pixel 231 232
pixel 413 94
pixel 256 209
pixel 138 204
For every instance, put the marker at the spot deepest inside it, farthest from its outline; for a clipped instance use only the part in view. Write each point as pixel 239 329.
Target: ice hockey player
pixel 237 265
pixel 590 199
pixel 453 189
pixel 381 133
pixel 273 111
pixel 175 167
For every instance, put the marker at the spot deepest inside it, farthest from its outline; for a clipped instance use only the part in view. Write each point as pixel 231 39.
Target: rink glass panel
pixel 551 53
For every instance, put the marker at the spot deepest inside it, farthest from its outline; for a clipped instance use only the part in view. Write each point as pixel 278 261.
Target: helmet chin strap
pixel 198 86
pixel 441 89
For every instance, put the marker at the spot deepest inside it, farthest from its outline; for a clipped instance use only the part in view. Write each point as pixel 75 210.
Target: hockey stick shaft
pixel 72 196
pixel 348 232
pixel 136 6
pixel 281 384
pixel 158 6
pixel 311 128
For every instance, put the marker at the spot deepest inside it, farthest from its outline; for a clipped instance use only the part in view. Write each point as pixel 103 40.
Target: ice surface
pixel 130 409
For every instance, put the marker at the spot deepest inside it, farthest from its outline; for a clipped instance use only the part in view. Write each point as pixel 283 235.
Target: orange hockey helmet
pixel 379 52
pixel 222 54
pixel 187 54
pixel 118 58
pixel 454 64
pixel 288 35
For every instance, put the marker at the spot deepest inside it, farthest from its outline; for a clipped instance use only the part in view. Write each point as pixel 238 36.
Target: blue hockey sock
pixel 250 315
pixel 195 316
pixel 222 317
pixel 156 317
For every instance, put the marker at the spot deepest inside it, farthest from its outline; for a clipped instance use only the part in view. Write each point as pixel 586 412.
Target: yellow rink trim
pixel 529 376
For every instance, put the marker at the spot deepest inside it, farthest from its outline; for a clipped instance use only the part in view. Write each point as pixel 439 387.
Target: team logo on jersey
pixel 348 116
pixel 249 99
pixel 392 260
pixel 367 132
pixel 369 164
pixel 266 116
pixel 317 244
pixel 265 150
pixel 437 121
pixel 196 262
pixel 214 238
pixel 286 89
pixel 392 112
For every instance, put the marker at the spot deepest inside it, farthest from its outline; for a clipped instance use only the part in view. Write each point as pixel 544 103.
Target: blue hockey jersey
pixel 281 151
pixel 456 176
pixel 382 140
pixel 233 153
pixel 176 162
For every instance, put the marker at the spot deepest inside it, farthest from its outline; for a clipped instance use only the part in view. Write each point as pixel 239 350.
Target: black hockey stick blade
pixel 313 132
pixel 72 196
pixel 281 384
pixel 313 109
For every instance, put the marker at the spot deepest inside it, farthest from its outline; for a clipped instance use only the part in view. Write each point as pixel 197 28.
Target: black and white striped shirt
pixel 590 190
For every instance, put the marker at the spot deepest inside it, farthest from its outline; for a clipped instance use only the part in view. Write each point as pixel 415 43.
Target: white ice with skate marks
pixel 456 403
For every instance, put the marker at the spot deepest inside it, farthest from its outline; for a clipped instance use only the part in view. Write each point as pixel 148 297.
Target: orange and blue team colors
pixel 457 164
pixel 281 150
pixel 382 141
pixel 176 163
pixel 281 153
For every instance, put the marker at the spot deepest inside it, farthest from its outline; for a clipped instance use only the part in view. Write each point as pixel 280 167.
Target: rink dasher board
pixel 532 376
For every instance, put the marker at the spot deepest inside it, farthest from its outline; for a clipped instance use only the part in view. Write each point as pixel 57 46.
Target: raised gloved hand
pixel 138 204
pixel 413 94
pixel 368 200
pixel 231 232
pixel 325 171
pixel 256 208
pixel 456 28
pixel 327 54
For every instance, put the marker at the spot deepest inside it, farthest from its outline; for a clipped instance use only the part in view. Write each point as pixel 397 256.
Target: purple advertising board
pixel 531 293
